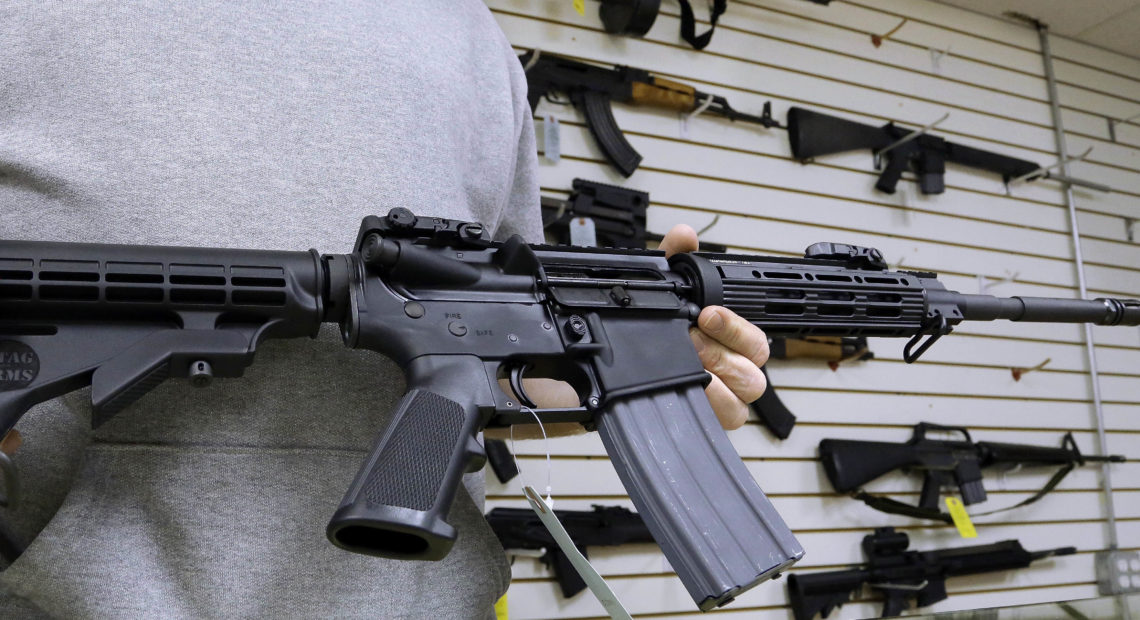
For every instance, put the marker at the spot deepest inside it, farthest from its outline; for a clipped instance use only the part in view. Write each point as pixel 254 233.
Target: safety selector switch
pixel 856 256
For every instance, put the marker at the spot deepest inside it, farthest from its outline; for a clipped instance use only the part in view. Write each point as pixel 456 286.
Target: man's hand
pixel 731 348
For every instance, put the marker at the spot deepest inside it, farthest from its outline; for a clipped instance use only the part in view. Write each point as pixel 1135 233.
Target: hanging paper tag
pixel 552 141
pixel 583 232
pixel 593 580
pixel 961 519
pixel 580 6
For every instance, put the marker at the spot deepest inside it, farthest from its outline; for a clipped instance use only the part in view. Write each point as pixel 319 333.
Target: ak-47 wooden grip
pixel 826 348
pixel 665 94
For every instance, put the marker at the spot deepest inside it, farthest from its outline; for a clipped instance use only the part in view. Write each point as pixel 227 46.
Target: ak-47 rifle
pixel 458 311
pixel 901 575
pixel 520 528
pixel 591 89
pixel 851 463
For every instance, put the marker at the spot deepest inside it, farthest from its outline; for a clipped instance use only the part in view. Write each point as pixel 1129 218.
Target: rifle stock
pixel 851 463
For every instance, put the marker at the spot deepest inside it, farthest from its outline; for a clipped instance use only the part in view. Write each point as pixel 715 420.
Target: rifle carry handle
pixel 397 504
pixel 712 521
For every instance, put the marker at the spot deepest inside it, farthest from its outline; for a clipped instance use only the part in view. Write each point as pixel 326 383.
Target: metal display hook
pixel 907 138
pixel 1113 122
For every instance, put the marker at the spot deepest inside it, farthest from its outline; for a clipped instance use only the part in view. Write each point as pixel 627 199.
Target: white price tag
pixel 552 140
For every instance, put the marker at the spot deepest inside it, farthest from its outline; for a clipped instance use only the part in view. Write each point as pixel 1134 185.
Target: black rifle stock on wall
pixel 813 134
pixel 457 311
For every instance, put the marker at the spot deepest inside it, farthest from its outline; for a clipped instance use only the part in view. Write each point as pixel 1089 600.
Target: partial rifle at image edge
pixel 902 575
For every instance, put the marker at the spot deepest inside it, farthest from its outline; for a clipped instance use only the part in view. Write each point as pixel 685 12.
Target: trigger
pixel 516 380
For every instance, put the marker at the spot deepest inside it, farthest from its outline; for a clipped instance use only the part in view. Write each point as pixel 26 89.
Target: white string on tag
pixel 685 118
pixel 546 444
pixel 533 60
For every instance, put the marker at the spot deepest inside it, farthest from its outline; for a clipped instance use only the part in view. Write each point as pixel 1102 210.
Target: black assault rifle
pixel 520 528
pixel 901 575
pixel 591 89
pixel 458 311
pixel 813 134
pixel 851 463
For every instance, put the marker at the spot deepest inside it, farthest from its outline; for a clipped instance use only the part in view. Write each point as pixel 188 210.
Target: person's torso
pixel 274 127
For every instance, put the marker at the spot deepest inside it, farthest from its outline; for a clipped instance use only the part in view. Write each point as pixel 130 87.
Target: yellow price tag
pixel 580 6
pixel 501 608
pixel 961 519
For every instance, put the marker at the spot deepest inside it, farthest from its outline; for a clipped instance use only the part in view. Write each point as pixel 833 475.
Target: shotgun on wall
pixel 592 89
pixel 457 311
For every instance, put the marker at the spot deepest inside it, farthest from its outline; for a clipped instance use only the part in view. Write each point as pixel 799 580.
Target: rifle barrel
pixel 1100 311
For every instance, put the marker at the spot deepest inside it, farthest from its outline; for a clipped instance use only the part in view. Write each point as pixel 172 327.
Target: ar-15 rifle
pixel 592 88
pixel 902 575
pixel 457 311
pixel 813 134
pixel 851 463
pixel 520 528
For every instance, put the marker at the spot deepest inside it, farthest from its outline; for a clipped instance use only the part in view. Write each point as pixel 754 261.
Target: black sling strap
pixel 688 23
pixel 895 507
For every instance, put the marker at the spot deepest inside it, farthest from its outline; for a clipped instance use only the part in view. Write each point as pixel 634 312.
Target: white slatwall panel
pixel 992 82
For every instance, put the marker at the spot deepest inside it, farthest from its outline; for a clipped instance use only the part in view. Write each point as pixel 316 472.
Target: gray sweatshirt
pixel 245 124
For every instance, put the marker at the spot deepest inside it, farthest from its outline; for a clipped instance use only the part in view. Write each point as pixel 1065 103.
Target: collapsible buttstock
pixel 850 464
pixel 714 524
pixel 814 594
pixel 813 134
